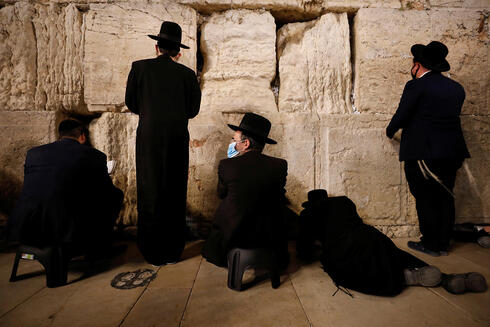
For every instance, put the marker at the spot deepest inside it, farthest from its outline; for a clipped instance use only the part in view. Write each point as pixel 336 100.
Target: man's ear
pixel 246 143
pixel 157 51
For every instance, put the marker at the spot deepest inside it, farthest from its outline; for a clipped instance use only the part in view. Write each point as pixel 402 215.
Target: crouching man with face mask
pixel 251 186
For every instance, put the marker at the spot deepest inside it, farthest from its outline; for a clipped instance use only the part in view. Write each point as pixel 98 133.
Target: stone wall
pixel 328 74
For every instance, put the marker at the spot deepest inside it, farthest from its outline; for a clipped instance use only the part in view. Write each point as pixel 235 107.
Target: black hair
pixel 167 47
pixel 254 143
pixel 72 128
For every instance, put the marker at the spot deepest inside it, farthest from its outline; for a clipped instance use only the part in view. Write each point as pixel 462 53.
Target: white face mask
pixel 232 150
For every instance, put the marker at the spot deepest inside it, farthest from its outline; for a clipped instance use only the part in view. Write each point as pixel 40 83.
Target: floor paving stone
pixel 213 304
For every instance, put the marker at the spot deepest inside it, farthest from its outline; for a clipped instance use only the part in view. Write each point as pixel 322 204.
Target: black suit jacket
pixel 251 212
pixel 428 113
pixel 67 196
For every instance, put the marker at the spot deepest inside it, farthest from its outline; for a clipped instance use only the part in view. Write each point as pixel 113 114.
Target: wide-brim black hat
pixel 315 196
pixel 255 126
pixel 170 31
pixel 432 56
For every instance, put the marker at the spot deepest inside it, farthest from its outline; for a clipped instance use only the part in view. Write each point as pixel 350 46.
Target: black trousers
pixel 435 205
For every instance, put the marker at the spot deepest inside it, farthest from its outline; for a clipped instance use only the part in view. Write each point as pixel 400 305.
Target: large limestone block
pixel 472 189
pixel 17 57
pixel 115 135
pixel 359 161
pixel 116 35
pixel 383 59
pixel 209 139
pixel 41 57
pixel 20 131
pixel 314 66
pixel 239 62
pixel 297 142
pixel 59 41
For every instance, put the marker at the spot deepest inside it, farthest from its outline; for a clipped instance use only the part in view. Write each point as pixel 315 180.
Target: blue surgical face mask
pixel 231 150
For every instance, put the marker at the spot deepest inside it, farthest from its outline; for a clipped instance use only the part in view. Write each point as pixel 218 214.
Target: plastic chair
pixel 240 260
pixel 54 260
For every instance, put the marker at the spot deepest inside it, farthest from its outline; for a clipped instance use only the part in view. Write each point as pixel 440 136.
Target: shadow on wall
pixel 10 188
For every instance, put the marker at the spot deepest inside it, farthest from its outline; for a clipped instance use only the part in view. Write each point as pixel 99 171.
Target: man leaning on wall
pixel 432 144
pixel 165 95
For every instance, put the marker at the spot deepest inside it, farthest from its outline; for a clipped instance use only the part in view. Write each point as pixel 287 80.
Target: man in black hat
pixel 165 94
pixel 251 186
pixel 432 144
pixel 68 198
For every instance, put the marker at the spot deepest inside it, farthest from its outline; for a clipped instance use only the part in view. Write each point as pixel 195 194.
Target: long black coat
pixel 67 197
pixel 164 94
pixel 251 212
pixel 429 112
pixel 356 255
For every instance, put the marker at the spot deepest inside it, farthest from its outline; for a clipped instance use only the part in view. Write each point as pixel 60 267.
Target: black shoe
pixel 484 241
pixel 420 247
pixel 428 276
pixel 461 283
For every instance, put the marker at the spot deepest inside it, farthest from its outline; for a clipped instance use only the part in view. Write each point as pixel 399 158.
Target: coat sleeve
pixel 283 181
pixel 131 91
pixel 406 109
pixel 222 188
pixel 194 103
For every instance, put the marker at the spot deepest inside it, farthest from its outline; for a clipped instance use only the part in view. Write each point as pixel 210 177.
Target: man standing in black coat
pixel 251 186
pixel 165 94
pixel 432 144
pixel 68 198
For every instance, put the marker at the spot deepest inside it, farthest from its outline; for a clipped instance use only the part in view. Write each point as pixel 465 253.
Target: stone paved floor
pixel 194 293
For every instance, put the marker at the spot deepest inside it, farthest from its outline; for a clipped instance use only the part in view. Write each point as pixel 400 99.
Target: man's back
pixel 162 92
pixel 429 115
pixel 65 182
pixel 252 189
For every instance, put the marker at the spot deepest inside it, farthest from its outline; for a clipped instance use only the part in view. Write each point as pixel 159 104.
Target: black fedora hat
pixel 432 56
pixel 255 126
pixel 170 31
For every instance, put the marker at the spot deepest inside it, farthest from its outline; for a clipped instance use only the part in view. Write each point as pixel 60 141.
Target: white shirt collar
pixel 425 73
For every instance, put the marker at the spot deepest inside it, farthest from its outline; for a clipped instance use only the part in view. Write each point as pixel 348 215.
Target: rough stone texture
pixel 314 66
pixel 19 132
pixel 239 62
pixel 383 59
pixel 59 40
pixel 41 57
pixel 115 135
pixel 472 189
pixel 290 10
pixel 359 161
pixel 297 141
pixel 209 139
pixel 460 3
pixel 17 57
pixel 116 36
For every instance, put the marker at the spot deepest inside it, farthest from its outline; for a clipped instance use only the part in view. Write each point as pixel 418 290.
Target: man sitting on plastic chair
pixel 251 186
pixel 68 199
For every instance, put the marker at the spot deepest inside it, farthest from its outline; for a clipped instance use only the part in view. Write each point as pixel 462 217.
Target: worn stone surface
pixel 19 132
pixel 41 57
pixel 116 35
pixel 115 135
pixel 239 61
pixel 359 161
pixel 383 58
pixel 314 66
pixel 472 189
pixel 17 57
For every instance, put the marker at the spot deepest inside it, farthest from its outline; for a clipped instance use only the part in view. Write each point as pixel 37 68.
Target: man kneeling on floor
pixel 251 185
pixel 359 257
pixel 68 198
